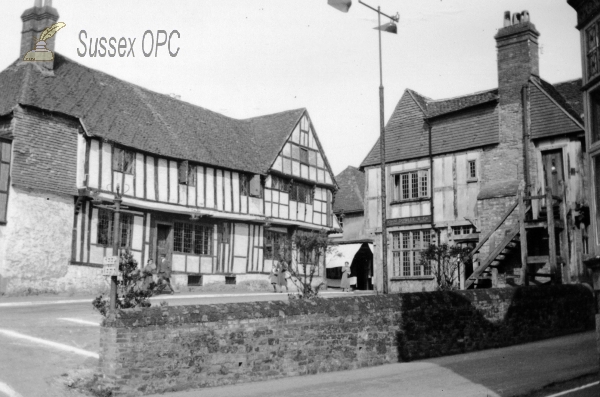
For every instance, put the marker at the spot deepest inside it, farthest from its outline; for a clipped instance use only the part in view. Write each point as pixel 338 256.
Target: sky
pixel 246 58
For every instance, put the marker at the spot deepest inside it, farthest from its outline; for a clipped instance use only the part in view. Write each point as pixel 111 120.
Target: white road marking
pixel 562 393
pixel 84 322
pixel 40 303
pixel 55 345
pixel 9 391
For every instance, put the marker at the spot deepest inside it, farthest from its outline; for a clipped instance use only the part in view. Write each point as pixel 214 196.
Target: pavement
pixel 46 342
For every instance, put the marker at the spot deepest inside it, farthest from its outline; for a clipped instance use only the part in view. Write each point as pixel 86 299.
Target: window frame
pixel 5 163
pixel 406 253
pixel 591 51
pixel 404 185
pixel 125 232
pixel 283 184
pixel 187 173
pixel 470 176
pixel 180 238
pixel 272 243
pixel 118 160
pixel 307 193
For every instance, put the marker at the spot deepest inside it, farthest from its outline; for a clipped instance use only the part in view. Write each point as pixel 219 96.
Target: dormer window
pixel 123 160
pixel 187 173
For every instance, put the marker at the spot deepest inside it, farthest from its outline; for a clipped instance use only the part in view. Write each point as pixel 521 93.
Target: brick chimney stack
pixel 503 167
pixel 35 20
pixel 518 56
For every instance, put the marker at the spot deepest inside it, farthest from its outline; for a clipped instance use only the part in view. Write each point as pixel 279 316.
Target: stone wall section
pixel 162 349
pixel 175 348
pixel 35 255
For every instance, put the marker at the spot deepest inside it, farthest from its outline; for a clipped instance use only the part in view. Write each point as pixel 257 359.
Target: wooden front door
pixel 552 161
pixel 163 242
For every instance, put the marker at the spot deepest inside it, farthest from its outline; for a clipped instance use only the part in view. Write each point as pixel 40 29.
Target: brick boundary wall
pixel 162 349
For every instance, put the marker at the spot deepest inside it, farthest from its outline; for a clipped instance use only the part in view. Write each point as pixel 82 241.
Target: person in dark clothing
pixel 164 272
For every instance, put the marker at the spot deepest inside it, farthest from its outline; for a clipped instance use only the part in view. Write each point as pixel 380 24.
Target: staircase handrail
pixel 487 236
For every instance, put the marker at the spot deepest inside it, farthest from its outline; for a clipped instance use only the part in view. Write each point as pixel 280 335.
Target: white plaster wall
pixel 36 254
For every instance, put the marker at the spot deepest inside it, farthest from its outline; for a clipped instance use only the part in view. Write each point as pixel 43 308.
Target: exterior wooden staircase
pixel 533 216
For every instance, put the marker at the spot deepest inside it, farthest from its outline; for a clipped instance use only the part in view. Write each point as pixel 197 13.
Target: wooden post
pixel 564 237
pixel 523 236
pixel 551 235
pixel 494 270
pixel 116 243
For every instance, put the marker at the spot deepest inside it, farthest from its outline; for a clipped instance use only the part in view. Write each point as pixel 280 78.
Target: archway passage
pixel 362 268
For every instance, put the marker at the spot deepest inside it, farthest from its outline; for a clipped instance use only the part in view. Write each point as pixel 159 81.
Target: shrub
pixel 304 254
pixel 131 289
pixel 445 261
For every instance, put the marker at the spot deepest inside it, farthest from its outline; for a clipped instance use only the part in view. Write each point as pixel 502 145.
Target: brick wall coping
pixel 194 314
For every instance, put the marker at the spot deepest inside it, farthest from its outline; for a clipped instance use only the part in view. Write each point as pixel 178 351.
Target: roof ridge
pixel 566 81
pixel 273 114
pixel 463 96
pixel 167 96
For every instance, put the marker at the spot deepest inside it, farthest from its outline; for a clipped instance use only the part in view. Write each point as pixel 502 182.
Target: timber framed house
pixel 214 194
pixel 476 170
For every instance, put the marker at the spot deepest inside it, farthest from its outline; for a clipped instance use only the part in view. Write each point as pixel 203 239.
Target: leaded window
pixel 123 160
pixel 280 184
pixel 301 193
pixel 187 173
pixel 191 238
pixel 472 169
pixel 592 50
pixel 406 249
pixel 273 243
pixel 105 228
pixel 244 185
pixel 411 185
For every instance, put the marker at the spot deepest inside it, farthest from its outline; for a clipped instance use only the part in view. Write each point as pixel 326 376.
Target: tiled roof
pixel 559 99
pixel 135 117
pixel 571 92
pixel 469 121
pixel 459 124
pixel 444 106
pixel 550 112
pixel 350 195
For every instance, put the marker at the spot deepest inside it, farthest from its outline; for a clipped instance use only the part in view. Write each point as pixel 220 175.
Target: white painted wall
pixel 36 254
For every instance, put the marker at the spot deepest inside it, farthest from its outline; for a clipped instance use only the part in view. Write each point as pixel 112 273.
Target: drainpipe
pixel 526 136
pixel 431 205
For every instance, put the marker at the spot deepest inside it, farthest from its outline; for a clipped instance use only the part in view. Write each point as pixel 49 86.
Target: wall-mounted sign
pixel 412 220
pixel 110 266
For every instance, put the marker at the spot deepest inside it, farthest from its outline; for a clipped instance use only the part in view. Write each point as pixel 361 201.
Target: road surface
pixel 41 342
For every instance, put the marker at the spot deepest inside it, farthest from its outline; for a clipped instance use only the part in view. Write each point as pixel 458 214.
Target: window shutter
pixel 255 186
pixel 183 170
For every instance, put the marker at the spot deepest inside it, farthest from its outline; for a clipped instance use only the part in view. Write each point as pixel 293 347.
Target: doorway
pixel 552 161
pixel 362 268
pixel 163 245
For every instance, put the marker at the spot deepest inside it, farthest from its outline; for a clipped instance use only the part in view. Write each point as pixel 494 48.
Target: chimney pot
pixel 516 19
pixel 507 18
pixel 47 3
pixel 38 3
pixel 525 16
